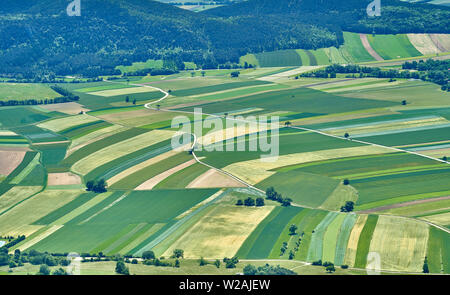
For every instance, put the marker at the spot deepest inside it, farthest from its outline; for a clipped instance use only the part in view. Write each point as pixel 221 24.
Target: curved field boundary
pixel 368 47
pixel 316 247
pixel 423 43
pixel 364 241
pixel 343 237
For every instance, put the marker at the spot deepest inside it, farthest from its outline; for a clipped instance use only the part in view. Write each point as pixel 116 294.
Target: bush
pixel 134 261
pixel 148 255
pixel 121 268
pixel 318 262
pixel 344 266
pixel 44 270
pixel 250 270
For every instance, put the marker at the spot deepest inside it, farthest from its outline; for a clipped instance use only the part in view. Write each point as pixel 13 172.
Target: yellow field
pixel 140 166
pixel 440 219
pixel 400 242
pixel 94 136
pixel 152 182
pixel 221 232
pixel 352 246
pixel 423 43
pixel 213 178
pixel 340 195
pixel 18 220
pixel 67 122
pixel 16 195
pixel 231 132
pixel 120 149
pixel 50 230
pixel 388 126
pixel 122 91
pixel 254 171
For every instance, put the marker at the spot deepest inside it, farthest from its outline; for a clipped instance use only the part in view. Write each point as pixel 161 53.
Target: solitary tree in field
pixel 403 102
pixel 444 158
pixel 121 268
pixel 178 253
pixel 287 123
pixel 293 229
pixel 346 182
pixel 158 107
pixel 134 101
pixel 330 268
pixel 239 203
pixel 203 73
pixel 346 135
pixel 127 99
pixel 192 74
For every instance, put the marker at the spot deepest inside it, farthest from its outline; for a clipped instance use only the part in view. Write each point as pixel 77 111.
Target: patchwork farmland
pixel 340 139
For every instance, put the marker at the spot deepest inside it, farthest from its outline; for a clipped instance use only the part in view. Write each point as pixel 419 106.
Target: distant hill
pixel 38 38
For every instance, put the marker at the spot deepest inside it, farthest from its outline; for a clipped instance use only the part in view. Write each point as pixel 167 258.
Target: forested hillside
pixel 38 38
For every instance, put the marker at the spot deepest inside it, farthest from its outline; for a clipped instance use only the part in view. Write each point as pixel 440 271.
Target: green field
pixel 282 58
pixel 105 221
pixel 393 46
pixel 364 241
pixel 19 116
pixel 25 91
pixel 353 49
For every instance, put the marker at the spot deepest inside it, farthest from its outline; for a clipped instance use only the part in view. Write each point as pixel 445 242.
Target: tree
pixel 90 185
pixel 203 73
pixel 134 261
pixel 249 270
pixel 158 107
pixel 148 255
pixel 287 123
pixel 346 182
pixel 330 268
pixel 348 207
pixel 346 135
pixel 100 186
pixel 286 202
pixel 259 202
pixel 291 255
pixel 178 253
pixel 44 270
pixel 121 268
pixel 293 229
pixel 249 202
pixel 403 102
pixel 202 261
pixel 127 99
pixel 235 74
pixel 239 203
pixel 177 263
pixel 425 268
pixel 217 263
pixel 192 74
pixel 134 101
pixel 444 158
pixel 59 272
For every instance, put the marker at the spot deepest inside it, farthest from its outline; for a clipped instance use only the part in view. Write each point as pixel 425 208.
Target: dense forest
pixel 39 39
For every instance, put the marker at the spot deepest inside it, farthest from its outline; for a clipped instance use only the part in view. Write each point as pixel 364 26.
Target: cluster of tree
pixel 348 207
pixel 96 186
pixel 329 266
pixel 13 242
pixel 435 71
pixel 44 270
pixel 203 262
pixel 267 270
pixel 250 202
pixel 271 194
pixel 292 231
pixel 33 257
pixel 231 262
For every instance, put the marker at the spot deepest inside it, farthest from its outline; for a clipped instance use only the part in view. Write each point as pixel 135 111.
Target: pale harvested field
pixel 220 233
pixel 9 160
pixel 19 219
pixel 352 246
pixel 340 195
pixel 70 108
pixel 254 171
pixel 7 133
pixel 343 116
pixel 440 219
pixel 63 179
pixel 438 153
pixel 16 195
pixel 213 178
pixel 401 243
pixel 423 43
pixel 39 237
pixel 140 166
pixel 442 41
pixel 239 129
pixel 122 91
pixel 67 122
pixel 27 170
pixel 393 125
pixel 80 142
pixel 120 149
pixel 152 182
